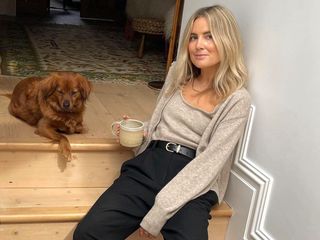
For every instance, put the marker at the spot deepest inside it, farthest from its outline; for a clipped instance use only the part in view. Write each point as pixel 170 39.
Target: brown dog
pixel 54 104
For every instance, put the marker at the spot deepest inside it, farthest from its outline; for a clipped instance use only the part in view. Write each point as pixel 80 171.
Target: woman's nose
pixel 200 43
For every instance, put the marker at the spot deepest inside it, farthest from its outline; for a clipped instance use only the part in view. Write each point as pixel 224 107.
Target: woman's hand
pixel 144 233
pixel 117 126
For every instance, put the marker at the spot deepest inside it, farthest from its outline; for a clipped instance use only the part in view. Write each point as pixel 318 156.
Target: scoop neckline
pixel 194 107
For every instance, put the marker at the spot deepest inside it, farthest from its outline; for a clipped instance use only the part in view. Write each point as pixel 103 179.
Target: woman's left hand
pixel 144 233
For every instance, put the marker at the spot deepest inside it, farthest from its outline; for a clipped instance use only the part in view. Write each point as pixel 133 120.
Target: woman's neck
pixel 207 75
pixel 203 82
pixel 200 84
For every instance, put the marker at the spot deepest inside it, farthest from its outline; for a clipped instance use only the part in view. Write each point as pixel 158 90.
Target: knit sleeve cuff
pixel 154 220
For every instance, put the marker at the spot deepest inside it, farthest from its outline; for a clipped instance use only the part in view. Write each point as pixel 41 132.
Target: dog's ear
pixel 85 86
pixel 47 86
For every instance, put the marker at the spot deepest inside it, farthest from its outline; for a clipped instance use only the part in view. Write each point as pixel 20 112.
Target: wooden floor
pixel 107 103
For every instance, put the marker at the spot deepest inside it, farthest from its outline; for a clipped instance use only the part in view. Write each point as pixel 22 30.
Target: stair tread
pixel 42 214
pixel 70 213
pixel 29 144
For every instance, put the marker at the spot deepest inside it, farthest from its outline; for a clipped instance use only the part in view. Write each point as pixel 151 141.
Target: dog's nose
pixel 66 104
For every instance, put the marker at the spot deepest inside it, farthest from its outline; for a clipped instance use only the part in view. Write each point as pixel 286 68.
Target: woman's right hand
pixel 117 126
pixel 145 234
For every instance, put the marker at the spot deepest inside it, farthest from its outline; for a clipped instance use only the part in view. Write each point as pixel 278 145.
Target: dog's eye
pixel 59 91
pixel 74 92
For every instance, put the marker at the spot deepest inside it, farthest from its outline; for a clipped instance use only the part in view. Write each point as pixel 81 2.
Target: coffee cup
pixel 131 132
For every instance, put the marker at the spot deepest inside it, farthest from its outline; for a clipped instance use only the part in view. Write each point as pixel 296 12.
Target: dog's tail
pixel 8 95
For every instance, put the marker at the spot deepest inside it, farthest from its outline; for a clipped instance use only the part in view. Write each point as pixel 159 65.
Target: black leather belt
pixel 173 147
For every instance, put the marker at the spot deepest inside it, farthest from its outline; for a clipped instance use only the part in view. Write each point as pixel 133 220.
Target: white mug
pixel 131 132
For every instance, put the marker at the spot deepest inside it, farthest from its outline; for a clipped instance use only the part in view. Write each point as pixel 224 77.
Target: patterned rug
pixel 18 57
pixel 101 53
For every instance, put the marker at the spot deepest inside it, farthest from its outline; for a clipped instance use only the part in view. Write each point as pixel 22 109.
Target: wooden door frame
pixel 174 31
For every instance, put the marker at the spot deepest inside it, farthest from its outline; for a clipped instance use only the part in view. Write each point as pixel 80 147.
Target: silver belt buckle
pixel 178 147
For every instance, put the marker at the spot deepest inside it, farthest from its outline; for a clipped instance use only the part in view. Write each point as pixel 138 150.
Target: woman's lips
pixel 200 56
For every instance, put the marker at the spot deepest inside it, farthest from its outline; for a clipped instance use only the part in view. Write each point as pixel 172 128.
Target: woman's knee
pixel 105 225
pixel 86 229
pixel 90 227
pixel 80 233
pixel 190 222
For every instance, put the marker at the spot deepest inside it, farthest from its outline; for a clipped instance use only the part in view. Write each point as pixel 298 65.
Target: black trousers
pixel 120 209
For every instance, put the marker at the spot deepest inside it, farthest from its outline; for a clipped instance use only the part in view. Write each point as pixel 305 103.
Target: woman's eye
pixel 209 37
pixel 192 38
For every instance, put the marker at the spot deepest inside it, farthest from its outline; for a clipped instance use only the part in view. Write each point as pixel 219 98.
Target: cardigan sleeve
pixel 197 177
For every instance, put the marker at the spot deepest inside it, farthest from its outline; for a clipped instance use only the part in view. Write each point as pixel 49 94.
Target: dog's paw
pixel 71 130
pixel 68 156
pixel 79 128
pixel 65 149
pixel 71 125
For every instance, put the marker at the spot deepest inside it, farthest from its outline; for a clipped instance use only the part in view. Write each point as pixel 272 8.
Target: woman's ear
pixel 85 86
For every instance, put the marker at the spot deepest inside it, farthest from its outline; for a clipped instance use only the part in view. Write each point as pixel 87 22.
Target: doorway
pixel 175 32
pixel 113 10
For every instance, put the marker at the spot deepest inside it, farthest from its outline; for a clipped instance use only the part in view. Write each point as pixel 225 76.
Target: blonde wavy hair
pixel 232 72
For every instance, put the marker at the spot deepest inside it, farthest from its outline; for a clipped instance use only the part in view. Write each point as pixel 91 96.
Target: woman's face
pixel 202 49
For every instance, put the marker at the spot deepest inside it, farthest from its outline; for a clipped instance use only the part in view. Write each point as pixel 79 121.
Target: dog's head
pixel 65 91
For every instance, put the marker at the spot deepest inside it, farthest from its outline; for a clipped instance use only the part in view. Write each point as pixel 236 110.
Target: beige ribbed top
pixel 178 125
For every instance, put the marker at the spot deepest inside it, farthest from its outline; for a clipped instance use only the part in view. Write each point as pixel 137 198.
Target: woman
pixel 182 168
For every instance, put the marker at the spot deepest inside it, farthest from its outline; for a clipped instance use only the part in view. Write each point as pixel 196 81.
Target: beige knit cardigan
pixel 210 169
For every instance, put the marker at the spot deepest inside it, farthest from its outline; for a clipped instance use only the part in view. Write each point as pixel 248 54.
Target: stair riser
pixel 25 169
pixel 37 231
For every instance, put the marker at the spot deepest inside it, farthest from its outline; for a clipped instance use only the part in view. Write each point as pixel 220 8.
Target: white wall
pixel 8 7
pixel 274 183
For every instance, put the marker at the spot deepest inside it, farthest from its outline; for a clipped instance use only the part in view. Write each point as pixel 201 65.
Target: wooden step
pixel 42 195
pixel 42 214
pixel 13 221
pixel 70 214
pixel 42 167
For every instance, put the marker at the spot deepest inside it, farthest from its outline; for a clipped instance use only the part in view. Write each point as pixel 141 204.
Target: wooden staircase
pixel 43 197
